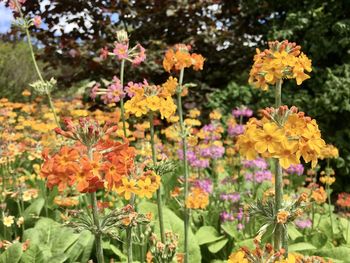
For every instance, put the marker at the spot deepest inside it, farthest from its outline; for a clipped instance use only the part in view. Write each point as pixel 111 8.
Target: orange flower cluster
pixel 179 58
pixel 282 133
pixel 343 200
pixel 283 60
pixel 197 199
pixel 319 195
pixel 93 162
pixel 71 166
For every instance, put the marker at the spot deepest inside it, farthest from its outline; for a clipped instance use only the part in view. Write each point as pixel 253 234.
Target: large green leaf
pixel 230 229
pixel 293 232
pixel 207 234
pixel 301 247
pixel 77 249
pixel 34 209
pixel 13 254
pixel 217 245
pixel 33 255
pixel 55 240
pixel 346 229
pixel 173 223
pixel 341 253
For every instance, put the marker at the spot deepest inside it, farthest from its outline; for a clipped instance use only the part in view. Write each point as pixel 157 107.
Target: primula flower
pixel 8 221
pixel 319 195
pixel 282 217
pixel 37 21
pixel 269 138
pixel 281 61
pixel 197 199
pixel 127 188
pixel 238 257
pixel 179 57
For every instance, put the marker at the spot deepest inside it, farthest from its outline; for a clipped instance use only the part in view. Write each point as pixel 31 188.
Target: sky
pixel 5 18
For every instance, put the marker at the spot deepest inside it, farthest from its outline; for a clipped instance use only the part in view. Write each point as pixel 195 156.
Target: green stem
pixel 122 110
pixel 129 235
pixel 159 197
pixel 185 163
pixel 330 208
pixel 279 235
pixel 29 40
pixel 313 216
pixel 98 234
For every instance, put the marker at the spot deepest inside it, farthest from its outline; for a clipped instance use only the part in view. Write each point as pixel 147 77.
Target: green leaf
pixel 341 253
pixel 173 223
pixel 230 229
pixel 293 232
pixel 346 229
pixel 34 209
pixel 318 239
pixel 77 249
pixel 217 246
pixel 207 234
pixel 117 251
pixel 245 243
pixel 33 255
pixel 13 254
pixel 301 247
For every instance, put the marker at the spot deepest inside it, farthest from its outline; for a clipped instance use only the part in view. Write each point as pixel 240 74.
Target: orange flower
pixel 282 217
pixel 319 195
pixel 179 58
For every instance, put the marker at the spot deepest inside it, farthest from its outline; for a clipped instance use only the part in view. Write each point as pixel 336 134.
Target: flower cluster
pixel 122 51
pixel 257 170
pixel 282 133
pixel 197 198
pixel 283 60
pixel 152 98
pixel 96 161
pixel 112 94
pixel 162 252
pixel 179 57
pixel 267 254
pixel 295 169
pixel 343 200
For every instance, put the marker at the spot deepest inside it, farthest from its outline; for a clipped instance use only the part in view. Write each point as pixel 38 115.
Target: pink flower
pixel 37 21
pixel 114 92
pixel 104 53
pixel 140 56
pixel 94 91
pixel 121 51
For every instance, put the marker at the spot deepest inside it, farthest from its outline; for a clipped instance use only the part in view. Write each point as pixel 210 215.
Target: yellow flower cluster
pixel 329 151
pixel 283 134
pixel 197 199
pixel 283 60
pixel 153 98
pixel 145 186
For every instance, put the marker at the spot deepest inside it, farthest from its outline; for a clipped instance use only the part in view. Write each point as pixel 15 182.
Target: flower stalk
pixel 98 234
pixel 122 110
pixel 279 235
pixel 159 197
pixel 185 163
pixel 29 41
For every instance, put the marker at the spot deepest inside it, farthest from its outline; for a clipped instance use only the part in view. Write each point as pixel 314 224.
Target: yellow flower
pixel 153 103
pixel 127 188
pixel 146 189
pixel 20 221
pixel 8 221
pixel 329 180
pixel 269 138
pixel 319 195
pixel 282 217
pixel 287 154
pixel 237 257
